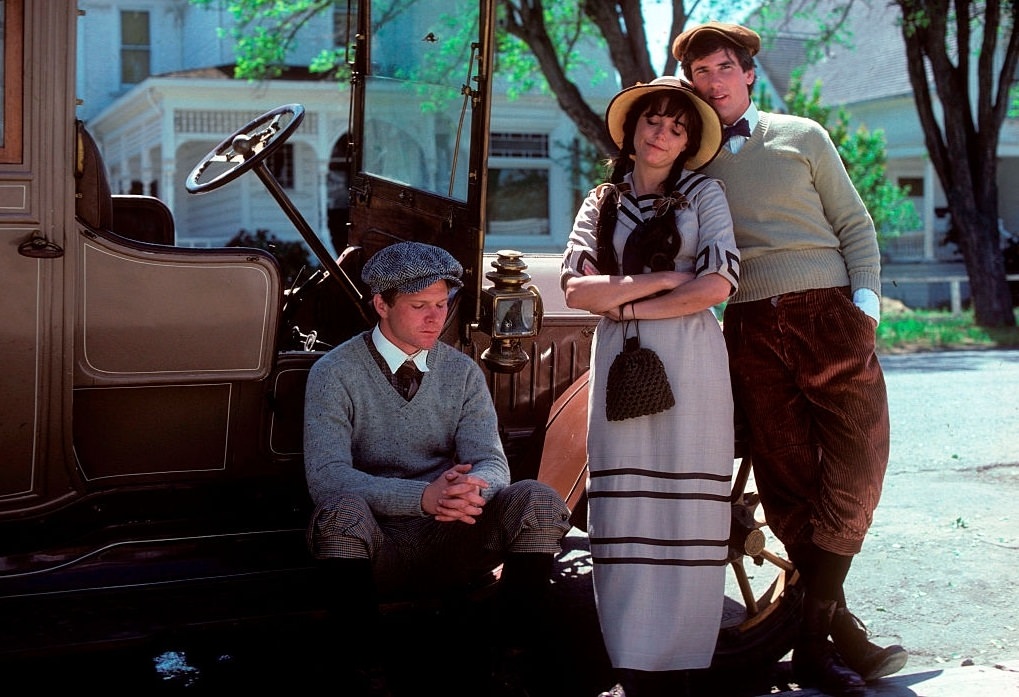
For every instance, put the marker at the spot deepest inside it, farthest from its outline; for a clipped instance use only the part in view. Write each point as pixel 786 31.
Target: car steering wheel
pixel 246 148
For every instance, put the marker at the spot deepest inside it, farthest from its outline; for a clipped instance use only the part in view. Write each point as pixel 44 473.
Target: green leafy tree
pixel 961 57
pixel 943 40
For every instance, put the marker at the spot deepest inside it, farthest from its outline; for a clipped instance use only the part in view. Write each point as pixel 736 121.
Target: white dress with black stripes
pixel 659 485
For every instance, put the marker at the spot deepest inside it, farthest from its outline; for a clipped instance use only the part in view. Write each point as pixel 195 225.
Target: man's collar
pixel 734 143
pixel 395 356
pixel 752 116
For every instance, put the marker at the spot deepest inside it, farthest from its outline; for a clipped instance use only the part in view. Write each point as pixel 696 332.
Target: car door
pixel 36 207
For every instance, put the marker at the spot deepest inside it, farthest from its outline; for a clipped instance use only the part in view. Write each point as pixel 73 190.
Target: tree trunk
pixel 977 237
pixel 964 151
pixel 525 20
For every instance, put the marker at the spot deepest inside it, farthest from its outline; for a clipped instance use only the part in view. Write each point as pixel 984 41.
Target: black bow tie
pixel 740 128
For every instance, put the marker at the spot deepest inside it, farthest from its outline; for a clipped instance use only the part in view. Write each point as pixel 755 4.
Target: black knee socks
pixel 823 572
pixel 525 595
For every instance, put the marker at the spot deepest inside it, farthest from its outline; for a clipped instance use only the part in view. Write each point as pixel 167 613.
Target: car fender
pixel 564 455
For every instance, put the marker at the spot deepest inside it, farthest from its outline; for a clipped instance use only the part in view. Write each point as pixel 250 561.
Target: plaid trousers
pixel 526 516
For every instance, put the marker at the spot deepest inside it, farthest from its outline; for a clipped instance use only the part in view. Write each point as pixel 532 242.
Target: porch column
pixel 930 181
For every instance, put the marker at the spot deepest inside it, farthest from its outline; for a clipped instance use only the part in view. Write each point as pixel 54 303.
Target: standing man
pixel 801 341
pixel 408 476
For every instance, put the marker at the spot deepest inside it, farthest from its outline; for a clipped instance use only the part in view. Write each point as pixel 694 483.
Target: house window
pixel 914 188
pixel 11 44
pixel 518 183
pixel 281 164
pixel 135 47
pixel 912 185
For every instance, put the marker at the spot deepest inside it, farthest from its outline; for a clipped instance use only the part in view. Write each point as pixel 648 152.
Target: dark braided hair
pixel 660 240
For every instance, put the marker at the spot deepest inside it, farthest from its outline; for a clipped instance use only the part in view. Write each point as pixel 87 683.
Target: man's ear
pixel 381 308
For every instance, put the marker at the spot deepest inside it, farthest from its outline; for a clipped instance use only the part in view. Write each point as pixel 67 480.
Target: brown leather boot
pixel 816 662
pixel 865 657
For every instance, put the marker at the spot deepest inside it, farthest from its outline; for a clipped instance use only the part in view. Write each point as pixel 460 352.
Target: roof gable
pixel 872 67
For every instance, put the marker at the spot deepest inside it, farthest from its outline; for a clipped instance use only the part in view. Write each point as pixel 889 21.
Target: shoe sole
pixel 890 664
pixel 809 678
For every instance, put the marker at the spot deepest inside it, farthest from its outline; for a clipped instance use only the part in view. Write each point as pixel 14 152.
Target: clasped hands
pixel 455 496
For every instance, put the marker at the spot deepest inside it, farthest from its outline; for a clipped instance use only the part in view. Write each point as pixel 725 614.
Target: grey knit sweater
pixel 361 436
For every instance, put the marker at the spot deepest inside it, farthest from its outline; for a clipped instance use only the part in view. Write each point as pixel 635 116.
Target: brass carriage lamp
pixel 509 312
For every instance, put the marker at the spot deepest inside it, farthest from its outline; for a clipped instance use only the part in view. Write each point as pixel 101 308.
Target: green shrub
pixel 293 257
pixel 930 330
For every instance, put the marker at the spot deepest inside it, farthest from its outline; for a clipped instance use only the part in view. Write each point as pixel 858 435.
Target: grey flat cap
pixel 410 267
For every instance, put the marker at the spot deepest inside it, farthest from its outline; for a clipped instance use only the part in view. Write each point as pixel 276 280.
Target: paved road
pixel 939 567
pixel 999 680
pixel 938 571
pixel 953 409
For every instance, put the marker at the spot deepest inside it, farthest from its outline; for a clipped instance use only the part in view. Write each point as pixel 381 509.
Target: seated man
pixel 406 470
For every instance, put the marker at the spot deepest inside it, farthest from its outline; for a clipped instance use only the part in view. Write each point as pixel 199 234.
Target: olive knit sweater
pixel 799 221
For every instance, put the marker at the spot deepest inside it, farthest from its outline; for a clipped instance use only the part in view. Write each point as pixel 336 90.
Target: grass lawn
pixel 904 330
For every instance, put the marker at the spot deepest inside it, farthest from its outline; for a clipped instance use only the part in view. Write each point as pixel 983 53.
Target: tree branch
pixel 525 20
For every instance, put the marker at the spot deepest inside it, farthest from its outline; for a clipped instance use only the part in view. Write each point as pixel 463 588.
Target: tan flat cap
pixel 736 33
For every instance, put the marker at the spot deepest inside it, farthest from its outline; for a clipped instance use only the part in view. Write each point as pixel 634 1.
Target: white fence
pixel 954 282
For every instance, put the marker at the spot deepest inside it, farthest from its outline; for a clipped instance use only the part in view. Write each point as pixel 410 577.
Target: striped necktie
pixel 408 377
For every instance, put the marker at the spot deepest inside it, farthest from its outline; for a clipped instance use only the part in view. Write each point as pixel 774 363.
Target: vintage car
pixel 151 474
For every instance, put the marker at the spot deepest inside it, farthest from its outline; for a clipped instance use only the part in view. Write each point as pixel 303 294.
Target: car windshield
pixel 417 108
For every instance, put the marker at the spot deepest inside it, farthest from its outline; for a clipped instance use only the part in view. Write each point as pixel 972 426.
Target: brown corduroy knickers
pixel 806 377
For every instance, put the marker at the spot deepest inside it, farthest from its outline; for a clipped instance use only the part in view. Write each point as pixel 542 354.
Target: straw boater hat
pixel 711 130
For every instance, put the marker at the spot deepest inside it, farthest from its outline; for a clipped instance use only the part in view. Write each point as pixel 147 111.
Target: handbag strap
pixel 626 330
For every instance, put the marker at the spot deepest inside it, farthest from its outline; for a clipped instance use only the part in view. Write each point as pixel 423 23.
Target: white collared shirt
pixel 395 357
pixel 736 142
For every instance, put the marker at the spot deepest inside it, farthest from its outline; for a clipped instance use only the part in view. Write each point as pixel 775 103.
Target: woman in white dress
pixel 652 252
